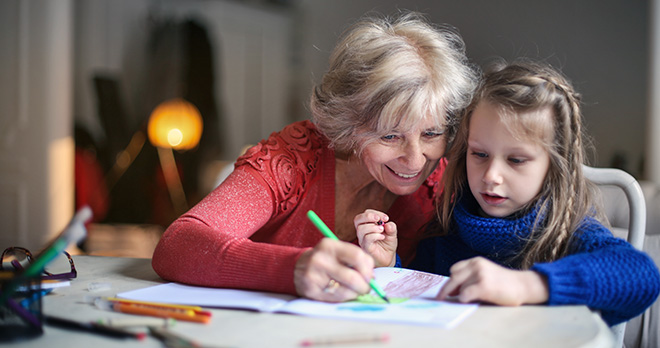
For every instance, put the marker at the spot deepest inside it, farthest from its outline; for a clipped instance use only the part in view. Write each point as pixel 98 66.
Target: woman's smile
pixel 404 175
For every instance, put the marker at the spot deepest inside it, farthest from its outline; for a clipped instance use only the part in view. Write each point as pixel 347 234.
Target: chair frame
pixel 636 210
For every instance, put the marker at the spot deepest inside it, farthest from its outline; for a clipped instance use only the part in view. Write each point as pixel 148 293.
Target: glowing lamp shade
pixel 175 124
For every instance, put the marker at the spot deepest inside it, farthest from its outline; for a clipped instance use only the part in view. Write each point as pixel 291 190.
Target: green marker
pixel 316 220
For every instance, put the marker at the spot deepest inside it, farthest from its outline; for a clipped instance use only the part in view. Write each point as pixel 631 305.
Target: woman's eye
pixel 389 137
pixel 433 134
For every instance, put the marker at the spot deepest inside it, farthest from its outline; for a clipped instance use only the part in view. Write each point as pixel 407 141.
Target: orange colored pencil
pixel 154 304
pixel 175 313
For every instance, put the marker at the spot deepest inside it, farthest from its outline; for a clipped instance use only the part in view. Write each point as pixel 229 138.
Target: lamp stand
pixel 125 158
pixel 172 179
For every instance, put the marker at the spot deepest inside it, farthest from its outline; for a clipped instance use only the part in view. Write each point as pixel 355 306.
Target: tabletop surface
pixel 489 326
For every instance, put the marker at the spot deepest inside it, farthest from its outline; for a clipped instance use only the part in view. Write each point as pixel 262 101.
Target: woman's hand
pixel 333 271
pixel 481 280
pixel 377 236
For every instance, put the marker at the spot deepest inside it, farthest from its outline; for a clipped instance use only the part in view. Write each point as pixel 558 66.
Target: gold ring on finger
pixel 331 287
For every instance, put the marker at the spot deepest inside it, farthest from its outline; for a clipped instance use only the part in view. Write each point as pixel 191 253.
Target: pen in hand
pixel 316 220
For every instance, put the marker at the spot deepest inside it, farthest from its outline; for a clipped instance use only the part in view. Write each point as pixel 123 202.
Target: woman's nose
pixel 414 154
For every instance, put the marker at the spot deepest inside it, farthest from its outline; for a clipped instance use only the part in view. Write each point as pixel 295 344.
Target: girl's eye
pixel 479 154
pixel 517 160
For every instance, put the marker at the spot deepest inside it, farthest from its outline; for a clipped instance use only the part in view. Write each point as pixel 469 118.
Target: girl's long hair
pixel 566 196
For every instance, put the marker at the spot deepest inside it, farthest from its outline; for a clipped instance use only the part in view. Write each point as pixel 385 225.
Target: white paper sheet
pixel 420 309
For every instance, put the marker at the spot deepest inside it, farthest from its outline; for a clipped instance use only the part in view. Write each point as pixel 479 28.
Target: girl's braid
pixel 569 116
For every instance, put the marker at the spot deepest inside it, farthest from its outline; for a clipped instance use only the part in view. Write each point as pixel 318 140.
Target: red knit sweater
pixel 250 231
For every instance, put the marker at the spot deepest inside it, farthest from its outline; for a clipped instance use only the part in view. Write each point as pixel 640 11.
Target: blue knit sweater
pixel 603 272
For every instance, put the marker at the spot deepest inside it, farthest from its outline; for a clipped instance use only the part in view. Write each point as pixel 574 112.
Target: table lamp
pixel 175 124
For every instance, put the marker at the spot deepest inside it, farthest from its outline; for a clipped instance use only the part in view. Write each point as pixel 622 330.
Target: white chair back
pixel 637 214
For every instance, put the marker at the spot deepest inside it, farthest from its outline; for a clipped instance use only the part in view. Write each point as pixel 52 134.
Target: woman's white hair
pixel 392 72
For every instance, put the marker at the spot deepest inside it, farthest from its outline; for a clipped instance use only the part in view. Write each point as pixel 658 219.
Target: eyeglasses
pixel 18 258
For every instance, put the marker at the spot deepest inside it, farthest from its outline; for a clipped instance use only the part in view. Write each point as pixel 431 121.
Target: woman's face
pixel 401 161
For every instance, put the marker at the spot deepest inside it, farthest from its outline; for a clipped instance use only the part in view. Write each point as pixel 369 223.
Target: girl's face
pixel 401 161
pixel 504 172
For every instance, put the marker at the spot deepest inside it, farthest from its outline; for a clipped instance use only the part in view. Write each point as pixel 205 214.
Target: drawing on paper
pixel 411 285
pixel 424 305
pixel 361 308
pixel 375 299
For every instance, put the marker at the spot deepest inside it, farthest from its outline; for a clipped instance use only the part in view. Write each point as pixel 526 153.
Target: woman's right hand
pixel 377 236
pixel 333 271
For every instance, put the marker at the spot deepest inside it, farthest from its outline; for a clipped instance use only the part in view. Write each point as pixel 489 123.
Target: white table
pixel 489 326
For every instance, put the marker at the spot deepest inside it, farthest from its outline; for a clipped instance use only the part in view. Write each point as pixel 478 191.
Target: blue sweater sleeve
pixel 605 273
pixel 397 263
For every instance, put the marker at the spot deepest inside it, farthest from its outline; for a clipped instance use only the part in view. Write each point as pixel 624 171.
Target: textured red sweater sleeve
pixel 250 231
pixel 210 245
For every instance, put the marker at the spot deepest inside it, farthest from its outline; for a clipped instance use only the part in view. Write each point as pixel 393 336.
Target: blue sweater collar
pixel 498 238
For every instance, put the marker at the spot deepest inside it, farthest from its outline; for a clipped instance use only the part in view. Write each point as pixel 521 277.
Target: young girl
pixel 518 213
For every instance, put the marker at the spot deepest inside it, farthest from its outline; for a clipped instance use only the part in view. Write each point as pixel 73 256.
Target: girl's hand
pixel 333 271
pixel 377 236
pixel 481 280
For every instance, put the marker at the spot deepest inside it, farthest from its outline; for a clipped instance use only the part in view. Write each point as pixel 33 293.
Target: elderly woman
pixel 382 116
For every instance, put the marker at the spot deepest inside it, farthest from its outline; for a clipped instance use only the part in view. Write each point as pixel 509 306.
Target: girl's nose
pixel 492 174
